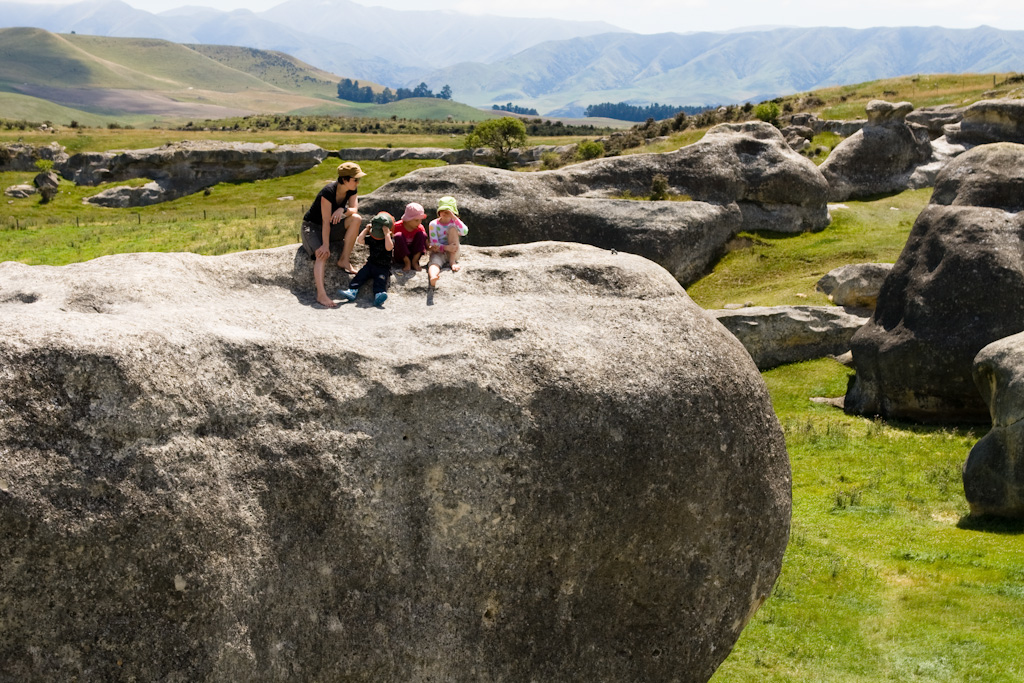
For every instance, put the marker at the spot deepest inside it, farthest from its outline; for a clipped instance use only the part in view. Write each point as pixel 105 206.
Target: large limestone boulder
pixel 739 176
pixel 879 158
pixel 180 169
pixel 207 477
pixel 855 285
pixel 776 335
pixel 989 121
pixel 957 286
pixel 994 471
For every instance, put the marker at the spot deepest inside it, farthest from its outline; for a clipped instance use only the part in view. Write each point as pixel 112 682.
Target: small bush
pixel 659 187
pixel 44 165
pixel 767 112
pixel 589 149
pixel 550 160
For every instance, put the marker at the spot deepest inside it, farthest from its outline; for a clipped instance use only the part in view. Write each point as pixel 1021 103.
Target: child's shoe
pixel 380 298
pixel 349 294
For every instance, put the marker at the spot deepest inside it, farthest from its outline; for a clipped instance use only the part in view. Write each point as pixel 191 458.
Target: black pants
pixel 380 274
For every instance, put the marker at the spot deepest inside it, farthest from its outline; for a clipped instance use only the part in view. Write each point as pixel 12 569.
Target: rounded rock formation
pixel 739 177
pixel 208 477
pixel 957 286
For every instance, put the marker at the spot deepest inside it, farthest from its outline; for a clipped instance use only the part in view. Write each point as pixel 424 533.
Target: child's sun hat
pixel 449 204
pixel 413 211
pixel 379 222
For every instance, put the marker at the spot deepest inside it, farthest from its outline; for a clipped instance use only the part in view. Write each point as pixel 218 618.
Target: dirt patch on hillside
pixel 112 101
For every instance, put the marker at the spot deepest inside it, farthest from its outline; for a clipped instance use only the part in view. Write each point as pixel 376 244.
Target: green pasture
pixel 886 577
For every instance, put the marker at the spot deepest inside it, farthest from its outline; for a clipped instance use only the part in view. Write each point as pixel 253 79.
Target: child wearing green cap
pixel 377 236
pixel 445 231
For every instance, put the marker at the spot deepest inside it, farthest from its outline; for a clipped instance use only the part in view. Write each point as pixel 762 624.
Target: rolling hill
pixel 145 81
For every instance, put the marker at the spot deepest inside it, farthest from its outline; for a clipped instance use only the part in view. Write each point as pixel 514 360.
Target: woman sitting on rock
pixel 333 220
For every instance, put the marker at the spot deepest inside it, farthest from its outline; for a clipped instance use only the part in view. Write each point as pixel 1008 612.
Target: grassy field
pixel 886 578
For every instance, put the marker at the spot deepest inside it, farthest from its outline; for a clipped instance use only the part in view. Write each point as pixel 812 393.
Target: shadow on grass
pixel 992 525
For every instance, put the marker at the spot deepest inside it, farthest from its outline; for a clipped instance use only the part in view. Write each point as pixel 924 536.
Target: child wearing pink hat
pixel 410 237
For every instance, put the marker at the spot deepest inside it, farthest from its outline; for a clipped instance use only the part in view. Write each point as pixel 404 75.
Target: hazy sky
pixel 655 16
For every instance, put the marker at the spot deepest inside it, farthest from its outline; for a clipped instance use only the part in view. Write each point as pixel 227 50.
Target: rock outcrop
pixel 21 156
pixel 994 471
pixel 20 191
pixel 776 335
pixel 48 185
pixel 856 285
pixel 989 121
pixel 957 286
pixel 739 176
pixel 480 155
pixel 842 128
pixel 182 168
pixel 935 119
pixel 207 477
pixel 881 157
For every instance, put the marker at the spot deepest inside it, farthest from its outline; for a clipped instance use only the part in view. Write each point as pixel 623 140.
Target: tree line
pixel 630 112
pixel 351 90
pixel 514 109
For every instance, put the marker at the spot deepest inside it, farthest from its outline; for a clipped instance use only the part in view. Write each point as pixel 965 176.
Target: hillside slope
pixel 142 81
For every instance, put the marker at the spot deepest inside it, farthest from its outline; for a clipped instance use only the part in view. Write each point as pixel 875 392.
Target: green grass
pixel 232 217
pixel 772 269
pixel 921 90
pixel 884 579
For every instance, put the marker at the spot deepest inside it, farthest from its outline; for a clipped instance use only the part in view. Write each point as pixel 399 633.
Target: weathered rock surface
pixel 842 128
pixel 20 191
pixel 855 285
pixel 994 471
pixel 182 168
pixel 957 286
pixel 451 156
pixel 989 121
pixel 879 158
pixel 480 155
pixel 740 176
pixel 935 119
pixel 48 184
pixel 776 335
pixel 21 156
pixel 207 477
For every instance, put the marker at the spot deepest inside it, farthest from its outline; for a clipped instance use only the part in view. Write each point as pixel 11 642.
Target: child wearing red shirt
pixel 410 237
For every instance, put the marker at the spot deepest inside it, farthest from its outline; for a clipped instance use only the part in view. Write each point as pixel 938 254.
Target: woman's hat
pixel 449 204
pixel 350 169
pixel 413 211
pixel 378 222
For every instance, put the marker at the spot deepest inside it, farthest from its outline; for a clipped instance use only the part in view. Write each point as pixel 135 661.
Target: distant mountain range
pixel 556 67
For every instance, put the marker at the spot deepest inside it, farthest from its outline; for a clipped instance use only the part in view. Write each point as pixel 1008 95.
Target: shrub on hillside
pixel 589 149
pixel 768 112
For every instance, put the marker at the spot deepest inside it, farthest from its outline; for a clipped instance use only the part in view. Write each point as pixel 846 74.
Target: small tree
pixel 659 187
pixel 768 112
pixel 501 135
